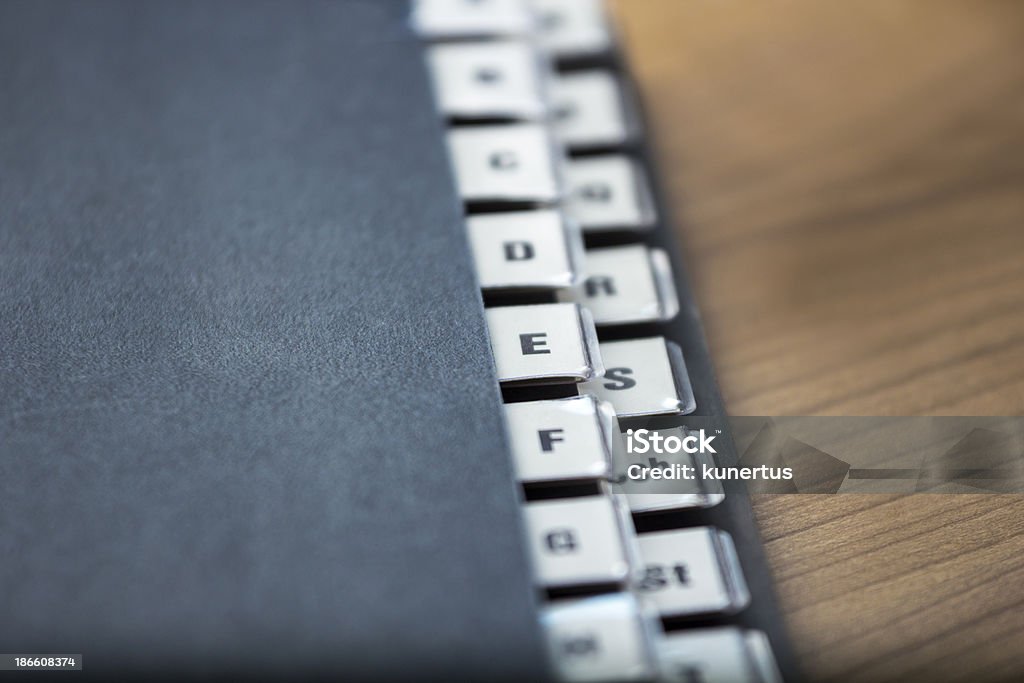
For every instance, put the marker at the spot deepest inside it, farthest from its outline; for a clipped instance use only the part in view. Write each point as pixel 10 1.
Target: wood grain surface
pixel 849 182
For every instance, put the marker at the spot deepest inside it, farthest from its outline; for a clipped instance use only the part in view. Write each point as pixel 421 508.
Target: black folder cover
pixel 248 417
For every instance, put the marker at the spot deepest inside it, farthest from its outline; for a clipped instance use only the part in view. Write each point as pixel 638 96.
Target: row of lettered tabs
pixel 556 343
pixel 542 160
pixel 588 542
pixel 577 440
pixel 614 637
pixel 684 573
pixel 634 585
pixel 563 28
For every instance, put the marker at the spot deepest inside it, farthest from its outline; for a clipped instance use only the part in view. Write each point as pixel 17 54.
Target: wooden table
pixel 849 182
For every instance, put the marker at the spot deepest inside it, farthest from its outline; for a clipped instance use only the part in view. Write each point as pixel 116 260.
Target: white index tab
pixel 655 495
pixel 573 28
pixel 599 639
pixel 448 19
pixel 590 110
pixel 579 542
pixel 487 80
pixel 505 164
pixel 626 285
pixel 608 193
pixel 716 655
pixel 544 344
pixel 644 377
pixel 692 571
pixel 524 249
pixel 561 440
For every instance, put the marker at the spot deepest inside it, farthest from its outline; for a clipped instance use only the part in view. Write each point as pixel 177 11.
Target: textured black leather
pixel 248 417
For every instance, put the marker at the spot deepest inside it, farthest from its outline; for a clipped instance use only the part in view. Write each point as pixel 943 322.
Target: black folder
pixel 248 416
